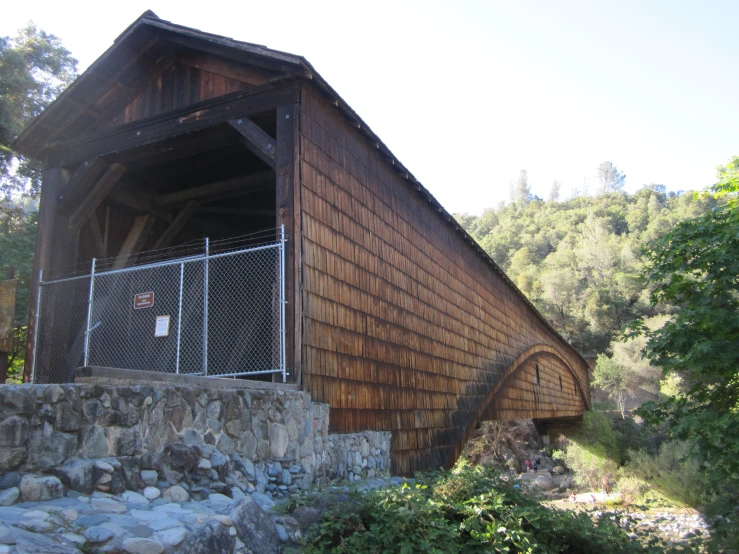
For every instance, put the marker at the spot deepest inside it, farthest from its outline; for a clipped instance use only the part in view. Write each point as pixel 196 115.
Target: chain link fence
pixel 220 314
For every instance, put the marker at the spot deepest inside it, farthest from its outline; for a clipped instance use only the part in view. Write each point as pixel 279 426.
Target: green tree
pixel 695 269
pixel 554 191
pixel 610 179
pixel 34 69
pixel 613 379
pixel 522 189
pixel 582 268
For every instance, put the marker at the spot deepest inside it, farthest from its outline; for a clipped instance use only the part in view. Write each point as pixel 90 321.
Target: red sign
pixel 143 300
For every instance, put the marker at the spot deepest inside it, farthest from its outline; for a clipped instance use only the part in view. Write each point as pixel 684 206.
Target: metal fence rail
pixel 220 313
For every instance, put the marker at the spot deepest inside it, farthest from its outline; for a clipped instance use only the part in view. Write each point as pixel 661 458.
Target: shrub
pixel 592 464
pixel 671 472
pixel 593 453
pixel 468 511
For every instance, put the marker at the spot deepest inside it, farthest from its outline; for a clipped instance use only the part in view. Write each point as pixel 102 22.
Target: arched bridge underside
pixel 539 384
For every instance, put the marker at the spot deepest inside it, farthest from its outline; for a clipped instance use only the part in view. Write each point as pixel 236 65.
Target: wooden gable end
pixel 192 78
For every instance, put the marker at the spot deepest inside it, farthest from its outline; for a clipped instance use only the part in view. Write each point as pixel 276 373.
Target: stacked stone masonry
pixel 184 441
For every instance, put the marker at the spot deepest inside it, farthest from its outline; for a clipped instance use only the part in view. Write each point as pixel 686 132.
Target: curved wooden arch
pixel 519 362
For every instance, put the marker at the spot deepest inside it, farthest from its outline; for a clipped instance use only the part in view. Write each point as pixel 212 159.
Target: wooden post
pixel 285 168
pixel 53 181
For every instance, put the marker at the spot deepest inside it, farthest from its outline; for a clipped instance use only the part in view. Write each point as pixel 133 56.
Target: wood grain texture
pixel 178 86
pixel 406 327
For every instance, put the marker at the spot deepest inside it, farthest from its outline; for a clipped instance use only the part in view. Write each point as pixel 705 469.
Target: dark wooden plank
pixel 79 183
pixel 135 201
pixel 95 196
pixel 177 224
pixel 178 122
pixel 286 167
pixel 94 237
pixel 220 189
pixel 227 68
pixel 256 140
pixel 52 184
pixel 238 211
pixel 134 241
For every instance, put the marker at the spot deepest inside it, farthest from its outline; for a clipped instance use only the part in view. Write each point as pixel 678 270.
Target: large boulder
pixel 278 440
pixel 306 516
pixel 212 537
pixel 254 527
pixel 180 456
pixel 565 483
pixel 544 481
pixel 38 489
pixel 13 432
pixel 77 474
pixel 49 448
pixel 11 458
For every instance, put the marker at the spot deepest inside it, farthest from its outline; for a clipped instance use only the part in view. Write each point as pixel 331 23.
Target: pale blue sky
pixel 467 93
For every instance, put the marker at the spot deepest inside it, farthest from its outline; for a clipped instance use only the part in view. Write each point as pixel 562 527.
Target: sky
pixel 468 93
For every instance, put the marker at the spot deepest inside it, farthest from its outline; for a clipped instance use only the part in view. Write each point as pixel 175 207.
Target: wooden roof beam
pixel 134 241
pixel 177 224
pixel 95 197
pixel 256 140
pixel 80 181
pixel 137 202
pixel 193 118
pixel 238 211
pixel 93 238
pixel 228 188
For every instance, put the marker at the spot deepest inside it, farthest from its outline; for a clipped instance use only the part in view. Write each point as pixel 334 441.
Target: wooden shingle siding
pixel 523 398
pixel 406 327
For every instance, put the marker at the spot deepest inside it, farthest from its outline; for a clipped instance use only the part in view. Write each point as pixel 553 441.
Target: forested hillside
pixel 578 259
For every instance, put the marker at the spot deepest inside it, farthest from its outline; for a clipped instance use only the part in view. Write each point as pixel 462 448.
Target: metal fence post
pixel 282 304
pixel 205 309
pixel 35 325
pixel 89 315
pixel 179 320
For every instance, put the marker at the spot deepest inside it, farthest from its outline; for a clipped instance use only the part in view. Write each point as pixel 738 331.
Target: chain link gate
pixel 216 314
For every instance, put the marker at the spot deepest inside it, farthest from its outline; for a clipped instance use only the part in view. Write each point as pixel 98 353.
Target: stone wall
pixel 259 440
pixel 356 455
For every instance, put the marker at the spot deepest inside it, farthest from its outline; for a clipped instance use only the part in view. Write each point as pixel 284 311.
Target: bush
pixel 593 453
pixel 677 477
pixel 592 464
pixel 467 511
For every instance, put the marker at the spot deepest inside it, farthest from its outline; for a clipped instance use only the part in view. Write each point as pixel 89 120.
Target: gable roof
pixel 109 84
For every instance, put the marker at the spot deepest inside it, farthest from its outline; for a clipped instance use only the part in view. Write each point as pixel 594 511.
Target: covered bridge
pixel 244 221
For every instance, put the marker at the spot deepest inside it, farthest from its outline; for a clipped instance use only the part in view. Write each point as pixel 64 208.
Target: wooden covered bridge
pixel 395 317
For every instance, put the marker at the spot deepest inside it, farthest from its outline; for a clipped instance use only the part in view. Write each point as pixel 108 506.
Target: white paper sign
pixel 162 327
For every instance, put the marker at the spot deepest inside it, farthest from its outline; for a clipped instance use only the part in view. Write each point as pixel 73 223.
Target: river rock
pixel 255 527
pixel 544 481
pixel 180 456
pixel 10 479
pixel 176 494
pixel 171 537
pixel 77 474
pixel 97 534
pixel 133 498
pixel 38 489
pixel 278 441
pixel 209 539
pixel 9 496
pixel 140 545
pixel 149 477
